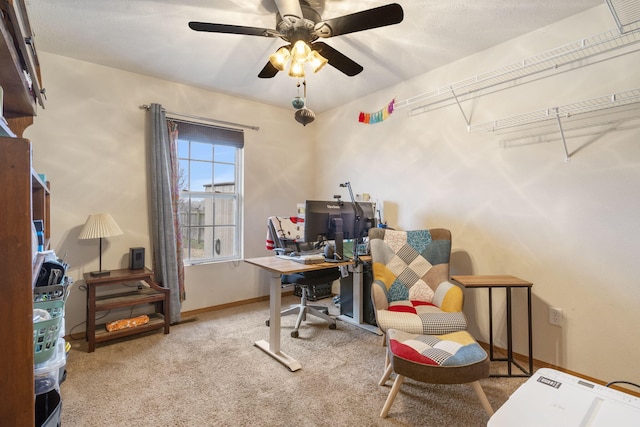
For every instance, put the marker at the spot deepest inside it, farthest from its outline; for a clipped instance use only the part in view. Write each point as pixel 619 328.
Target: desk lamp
pixel 99 226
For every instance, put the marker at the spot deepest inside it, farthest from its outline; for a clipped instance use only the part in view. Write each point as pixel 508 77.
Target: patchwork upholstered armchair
pixel 411 291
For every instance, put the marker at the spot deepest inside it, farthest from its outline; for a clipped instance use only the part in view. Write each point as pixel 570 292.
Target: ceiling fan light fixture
pixel 300 51
pixel 296 69
pixel 280 58
pixel 317 61
pixel 300 24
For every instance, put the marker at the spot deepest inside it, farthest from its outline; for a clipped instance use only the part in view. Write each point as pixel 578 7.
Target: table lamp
pixel 99 226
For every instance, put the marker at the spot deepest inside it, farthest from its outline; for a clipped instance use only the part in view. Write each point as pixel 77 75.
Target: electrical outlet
pixel 555 316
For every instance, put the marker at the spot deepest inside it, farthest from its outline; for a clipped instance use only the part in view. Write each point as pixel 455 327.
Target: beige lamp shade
pixel 100 225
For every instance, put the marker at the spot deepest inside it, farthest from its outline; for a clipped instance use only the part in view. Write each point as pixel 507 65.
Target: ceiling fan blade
pixel 289 8
pixel 367 19
pixel 232 29
pixel 337 59
pixel 269 71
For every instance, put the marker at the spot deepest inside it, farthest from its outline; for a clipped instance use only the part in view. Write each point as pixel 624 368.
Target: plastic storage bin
pixel 48 375
pixel 62 326
pixel 48 408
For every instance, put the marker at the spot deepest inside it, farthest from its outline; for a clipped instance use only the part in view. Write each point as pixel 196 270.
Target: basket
pixel 46 333
pixel 48 293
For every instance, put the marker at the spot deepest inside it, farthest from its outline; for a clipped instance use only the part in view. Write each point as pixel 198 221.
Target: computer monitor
pixel 337 220
pixel 367 214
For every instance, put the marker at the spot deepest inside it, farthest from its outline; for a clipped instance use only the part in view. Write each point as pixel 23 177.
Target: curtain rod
pixel 206 119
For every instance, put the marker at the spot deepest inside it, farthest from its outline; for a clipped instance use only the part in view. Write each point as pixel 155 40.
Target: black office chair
pixel 284 236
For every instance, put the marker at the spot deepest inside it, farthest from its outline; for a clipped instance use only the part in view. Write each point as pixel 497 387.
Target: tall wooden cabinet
pixel 23 198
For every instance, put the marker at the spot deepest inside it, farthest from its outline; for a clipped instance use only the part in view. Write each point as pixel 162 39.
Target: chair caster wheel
pixel 332 326
pixel 294 334
pixel 266 322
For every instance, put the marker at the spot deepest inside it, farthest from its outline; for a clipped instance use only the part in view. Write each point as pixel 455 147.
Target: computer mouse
pixel 294 254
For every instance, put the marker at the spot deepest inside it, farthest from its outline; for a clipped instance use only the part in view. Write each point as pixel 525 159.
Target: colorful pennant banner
pixel 378 116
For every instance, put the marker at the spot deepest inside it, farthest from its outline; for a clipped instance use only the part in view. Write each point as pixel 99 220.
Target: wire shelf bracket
pixel 466 119
pixel 623 40
pixel 566 111
pixel 550 61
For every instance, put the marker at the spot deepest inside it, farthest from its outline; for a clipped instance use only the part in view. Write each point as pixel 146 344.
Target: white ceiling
pixel 151 37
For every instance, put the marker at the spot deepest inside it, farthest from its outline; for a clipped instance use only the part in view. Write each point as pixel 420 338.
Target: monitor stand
pixel 339 240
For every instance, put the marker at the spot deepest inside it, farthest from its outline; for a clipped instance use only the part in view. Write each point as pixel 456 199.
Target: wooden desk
pixel 507 282
pixel 277 267
pixel 154 294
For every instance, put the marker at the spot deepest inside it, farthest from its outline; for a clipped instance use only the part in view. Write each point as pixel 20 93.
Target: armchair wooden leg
pixel 387 373
pixel 483 397
pixel 392 395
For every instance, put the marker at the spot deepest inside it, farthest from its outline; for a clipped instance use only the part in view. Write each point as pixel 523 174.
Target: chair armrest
pixel 448 297
pixel 379 296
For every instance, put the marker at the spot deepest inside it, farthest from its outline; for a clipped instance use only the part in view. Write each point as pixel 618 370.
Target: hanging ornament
pixel 304 115
pixel 378 116
pixel 298 102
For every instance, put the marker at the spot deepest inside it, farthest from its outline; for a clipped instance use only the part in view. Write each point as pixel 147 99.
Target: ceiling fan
pixel 297 21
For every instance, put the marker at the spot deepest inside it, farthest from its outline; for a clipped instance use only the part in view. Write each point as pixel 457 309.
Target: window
pixel 210 183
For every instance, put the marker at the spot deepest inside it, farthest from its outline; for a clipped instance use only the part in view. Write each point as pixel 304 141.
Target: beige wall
pixel 89 140
pixel 570 228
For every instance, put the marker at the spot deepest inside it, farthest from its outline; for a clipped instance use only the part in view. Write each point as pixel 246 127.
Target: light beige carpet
pixel 209 373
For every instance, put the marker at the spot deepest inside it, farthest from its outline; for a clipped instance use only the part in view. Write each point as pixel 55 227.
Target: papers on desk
pixel 304 259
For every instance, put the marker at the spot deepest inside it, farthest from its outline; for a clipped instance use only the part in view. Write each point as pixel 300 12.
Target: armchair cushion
pixel 411 291
pixel 426 320
pixel 419 356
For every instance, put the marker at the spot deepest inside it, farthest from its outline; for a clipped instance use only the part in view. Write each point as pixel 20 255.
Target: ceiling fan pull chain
pixel 298 102
pixel 304 115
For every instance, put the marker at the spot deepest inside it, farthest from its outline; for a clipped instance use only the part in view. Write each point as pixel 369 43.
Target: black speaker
pixel 136 258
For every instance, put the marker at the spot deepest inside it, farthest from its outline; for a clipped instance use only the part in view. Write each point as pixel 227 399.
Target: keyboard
pixel 304 258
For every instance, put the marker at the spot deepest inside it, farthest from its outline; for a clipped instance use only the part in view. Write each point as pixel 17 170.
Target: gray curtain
pixel 167 265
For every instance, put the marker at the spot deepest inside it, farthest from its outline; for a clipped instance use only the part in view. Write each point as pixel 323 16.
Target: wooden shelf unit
pixel 16 308
pixel 19 58
pixel 153 294
pixel 24 197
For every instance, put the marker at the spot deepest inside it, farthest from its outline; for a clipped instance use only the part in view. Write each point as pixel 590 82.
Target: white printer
pixel 552 398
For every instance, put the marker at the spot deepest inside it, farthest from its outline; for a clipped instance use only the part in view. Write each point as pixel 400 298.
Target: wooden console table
pixel 153 294
pixel 507 282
